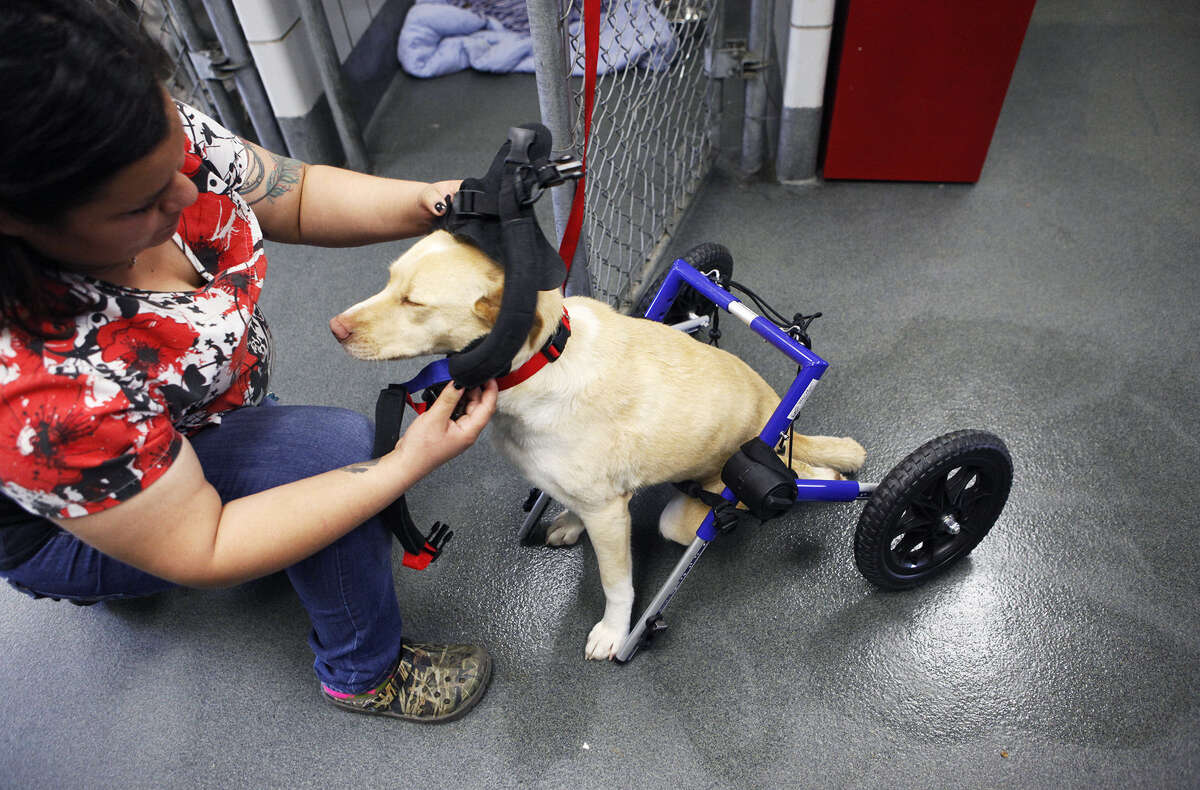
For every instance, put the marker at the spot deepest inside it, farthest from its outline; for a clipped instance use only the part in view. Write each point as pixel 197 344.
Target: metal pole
pixel 554 98
pixel 754 123
pixel 245 76
pixel 810 30
pixel 535 514
pixel 654 611
pixel 330 67
pixel 715 42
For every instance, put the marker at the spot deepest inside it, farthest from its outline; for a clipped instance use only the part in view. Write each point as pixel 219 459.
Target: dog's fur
pixel 630 403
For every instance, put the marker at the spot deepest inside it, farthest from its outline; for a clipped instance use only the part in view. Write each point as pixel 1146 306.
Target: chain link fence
pixel 155 18
pixel 653 132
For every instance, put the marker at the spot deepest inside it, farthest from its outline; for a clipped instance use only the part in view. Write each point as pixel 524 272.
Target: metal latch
pixel 733 61
pixel 568 167
pixel 213 64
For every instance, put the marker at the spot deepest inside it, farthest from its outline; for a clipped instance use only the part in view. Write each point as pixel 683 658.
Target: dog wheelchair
pixel 927 513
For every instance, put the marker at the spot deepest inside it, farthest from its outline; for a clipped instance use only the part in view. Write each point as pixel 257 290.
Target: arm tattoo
pixel 357 469
pixel 274 182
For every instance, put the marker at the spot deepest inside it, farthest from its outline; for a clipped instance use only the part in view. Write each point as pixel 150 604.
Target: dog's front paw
pixel 564 530
pixel 604 641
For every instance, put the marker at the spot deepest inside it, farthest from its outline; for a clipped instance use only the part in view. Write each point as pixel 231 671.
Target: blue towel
pixel 440 37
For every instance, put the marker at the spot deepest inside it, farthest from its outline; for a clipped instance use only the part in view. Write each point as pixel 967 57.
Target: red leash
pixel 591 59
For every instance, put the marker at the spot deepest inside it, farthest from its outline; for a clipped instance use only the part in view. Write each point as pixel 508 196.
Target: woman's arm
pixel 331 207
pixel 177 528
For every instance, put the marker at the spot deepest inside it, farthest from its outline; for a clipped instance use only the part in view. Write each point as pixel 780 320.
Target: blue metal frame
pixel 650 622
pixel 811 369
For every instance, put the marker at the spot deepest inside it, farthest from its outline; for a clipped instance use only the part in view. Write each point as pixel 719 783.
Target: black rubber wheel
pixel 704 258
pixel 932 509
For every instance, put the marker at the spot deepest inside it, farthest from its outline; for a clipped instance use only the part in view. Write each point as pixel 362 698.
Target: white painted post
pixel 810 30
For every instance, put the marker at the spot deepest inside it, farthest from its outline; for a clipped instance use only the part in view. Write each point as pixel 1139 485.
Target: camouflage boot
pixel 431 684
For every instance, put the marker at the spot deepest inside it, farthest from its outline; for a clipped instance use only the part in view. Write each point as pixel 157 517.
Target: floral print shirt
pixel 89 421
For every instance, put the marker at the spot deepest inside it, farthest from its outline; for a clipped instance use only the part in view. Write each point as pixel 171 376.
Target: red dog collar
pixel 545 355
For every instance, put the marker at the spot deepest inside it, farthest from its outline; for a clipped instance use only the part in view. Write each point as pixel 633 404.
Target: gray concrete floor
pixel 1054 303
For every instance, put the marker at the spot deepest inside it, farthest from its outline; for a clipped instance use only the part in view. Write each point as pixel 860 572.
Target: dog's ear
pixel 487 307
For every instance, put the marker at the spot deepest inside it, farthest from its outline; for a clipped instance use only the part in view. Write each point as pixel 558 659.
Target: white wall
pixel 280 47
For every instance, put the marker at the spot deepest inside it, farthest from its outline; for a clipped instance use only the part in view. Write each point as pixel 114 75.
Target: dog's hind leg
pixel 683 514
pixel 608 528
pixel 564 530
pixel 836 452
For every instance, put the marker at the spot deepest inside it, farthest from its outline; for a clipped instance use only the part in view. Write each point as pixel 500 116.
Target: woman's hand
pixel 436 197
pixel 434 438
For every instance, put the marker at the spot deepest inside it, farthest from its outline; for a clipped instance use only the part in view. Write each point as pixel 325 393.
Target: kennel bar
pixel 811 369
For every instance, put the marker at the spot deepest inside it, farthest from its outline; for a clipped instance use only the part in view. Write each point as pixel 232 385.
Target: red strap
pixel 535 363
pixel 545 356
pixel 418 561
pixel 419 408
pixel 591 59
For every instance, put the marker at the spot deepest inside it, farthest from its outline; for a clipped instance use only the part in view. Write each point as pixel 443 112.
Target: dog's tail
pixel 836 452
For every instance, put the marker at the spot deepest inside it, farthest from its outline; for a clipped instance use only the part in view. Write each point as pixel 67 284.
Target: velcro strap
pixel 474 203
pixel 419 550
pixel 726 514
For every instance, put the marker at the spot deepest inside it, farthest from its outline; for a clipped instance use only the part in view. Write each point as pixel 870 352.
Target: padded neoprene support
pixel 763 482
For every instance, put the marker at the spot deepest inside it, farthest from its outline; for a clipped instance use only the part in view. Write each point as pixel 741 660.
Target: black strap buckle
pixel 473 203
pixel 438 537
pixel 726 515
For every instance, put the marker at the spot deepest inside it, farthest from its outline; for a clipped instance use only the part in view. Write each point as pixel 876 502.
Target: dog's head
pixel 441 294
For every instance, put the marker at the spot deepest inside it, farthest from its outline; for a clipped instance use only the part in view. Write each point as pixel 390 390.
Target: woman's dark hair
pixel 80 99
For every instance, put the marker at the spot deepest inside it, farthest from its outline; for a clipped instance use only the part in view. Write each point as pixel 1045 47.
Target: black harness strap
pixel 419 549
pixel 725 512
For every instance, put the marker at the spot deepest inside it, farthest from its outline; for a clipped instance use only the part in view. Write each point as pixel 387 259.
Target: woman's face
pixel 136 209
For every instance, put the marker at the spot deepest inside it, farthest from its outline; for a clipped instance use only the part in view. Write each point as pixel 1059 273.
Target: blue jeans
pixel 347 588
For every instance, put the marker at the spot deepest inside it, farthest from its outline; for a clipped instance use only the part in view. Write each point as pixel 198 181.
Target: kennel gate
pixel 653 134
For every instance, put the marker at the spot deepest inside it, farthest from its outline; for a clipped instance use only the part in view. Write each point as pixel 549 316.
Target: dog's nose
pixel 338 327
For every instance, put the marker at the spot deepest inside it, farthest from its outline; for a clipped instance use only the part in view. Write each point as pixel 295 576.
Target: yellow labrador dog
pixel 629 403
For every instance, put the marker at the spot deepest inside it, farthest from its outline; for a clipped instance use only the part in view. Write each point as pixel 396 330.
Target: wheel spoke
pixel 956 483
pixel 972 498
pixel 929 510
pixel 910 549
pixel 911 520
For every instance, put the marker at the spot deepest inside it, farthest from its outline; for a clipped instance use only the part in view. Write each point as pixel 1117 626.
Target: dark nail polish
pixel 439 207
pixel 457 386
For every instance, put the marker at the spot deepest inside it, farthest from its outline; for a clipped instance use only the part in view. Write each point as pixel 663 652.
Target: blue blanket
pixel 442 37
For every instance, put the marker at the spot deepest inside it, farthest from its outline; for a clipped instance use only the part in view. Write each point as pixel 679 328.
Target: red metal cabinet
pixel 919 87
